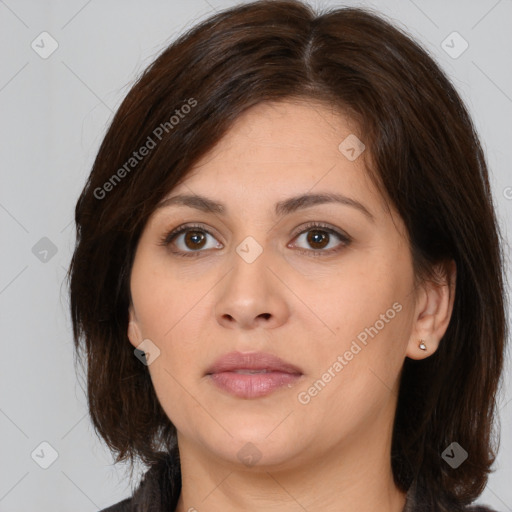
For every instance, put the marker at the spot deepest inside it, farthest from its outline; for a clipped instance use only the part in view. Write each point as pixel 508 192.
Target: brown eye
pixel 321 240
pixel 194 239
pixel 318 239
pixel 189 240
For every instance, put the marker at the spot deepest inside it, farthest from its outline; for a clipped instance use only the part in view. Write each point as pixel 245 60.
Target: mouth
pixel 250 372
pixel 252 375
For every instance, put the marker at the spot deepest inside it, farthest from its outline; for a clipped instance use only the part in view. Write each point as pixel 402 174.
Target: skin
pixel 333 453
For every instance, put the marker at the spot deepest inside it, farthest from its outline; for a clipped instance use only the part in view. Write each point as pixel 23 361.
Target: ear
pixel 134 333
pixel 434 306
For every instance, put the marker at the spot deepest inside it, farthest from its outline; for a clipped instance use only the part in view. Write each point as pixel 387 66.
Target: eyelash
pixel 345 240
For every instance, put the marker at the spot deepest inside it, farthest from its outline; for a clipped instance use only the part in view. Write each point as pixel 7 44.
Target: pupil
pixel 316 238
pixel 196 237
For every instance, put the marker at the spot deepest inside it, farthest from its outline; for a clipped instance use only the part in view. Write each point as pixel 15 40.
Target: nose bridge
pixel 249 275
pixel 251 292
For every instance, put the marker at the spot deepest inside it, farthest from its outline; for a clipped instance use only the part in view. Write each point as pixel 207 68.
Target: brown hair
pixel 425 155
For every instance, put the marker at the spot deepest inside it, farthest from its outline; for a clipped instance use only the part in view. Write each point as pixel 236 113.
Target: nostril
pixel 265 315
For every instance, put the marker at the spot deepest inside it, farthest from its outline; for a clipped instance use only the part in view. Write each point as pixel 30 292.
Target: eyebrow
pixel 282 208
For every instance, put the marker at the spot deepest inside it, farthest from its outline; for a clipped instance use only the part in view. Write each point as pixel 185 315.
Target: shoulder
pixel 421 498
pixel 161 484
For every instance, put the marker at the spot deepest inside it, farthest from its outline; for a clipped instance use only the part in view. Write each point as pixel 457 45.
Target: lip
pixel 231 374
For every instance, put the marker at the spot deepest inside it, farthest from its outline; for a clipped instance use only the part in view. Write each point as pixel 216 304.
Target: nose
pixel 251 295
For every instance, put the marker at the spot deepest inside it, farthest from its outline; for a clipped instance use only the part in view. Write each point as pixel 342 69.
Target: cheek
pixel 355 297
pixel 164 301
pixel 354 374
pixel 369 311
pixel 170 310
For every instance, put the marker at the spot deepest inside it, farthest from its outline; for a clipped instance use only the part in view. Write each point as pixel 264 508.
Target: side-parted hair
pixel 423 152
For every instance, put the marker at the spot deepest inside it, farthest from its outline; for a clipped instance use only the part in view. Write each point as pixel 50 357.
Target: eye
pixel 189 239
pixel 319 237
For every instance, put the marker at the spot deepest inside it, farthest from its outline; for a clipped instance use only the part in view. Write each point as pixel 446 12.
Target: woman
pixel 288 275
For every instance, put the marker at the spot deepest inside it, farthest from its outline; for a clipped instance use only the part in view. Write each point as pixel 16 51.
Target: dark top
pixel 160 489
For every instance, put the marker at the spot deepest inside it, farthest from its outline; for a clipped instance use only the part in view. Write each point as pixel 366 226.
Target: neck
pixel 356 476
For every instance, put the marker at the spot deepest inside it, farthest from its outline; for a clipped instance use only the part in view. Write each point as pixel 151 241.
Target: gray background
pixel 54 112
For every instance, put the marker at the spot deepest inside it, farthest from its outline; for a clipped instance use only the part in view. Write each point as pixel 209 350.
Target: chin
pixel 253 448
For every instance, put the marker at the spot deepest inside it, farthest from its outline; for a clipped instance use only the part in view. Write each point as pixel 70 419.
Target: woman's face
pixel 326 286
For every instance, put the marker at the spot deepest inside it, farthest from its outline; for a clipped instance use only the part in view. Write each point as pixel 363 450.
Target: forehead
pixel 284 148
pixel 301 128
pixel 285 135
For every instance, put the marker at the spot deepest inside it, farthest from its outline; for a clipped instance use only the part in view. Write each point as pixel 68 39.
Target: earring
pixel 422 345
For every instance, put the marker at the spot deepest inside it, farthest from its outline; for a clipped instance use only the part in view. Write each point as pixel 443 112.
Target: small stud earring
pixel 422 345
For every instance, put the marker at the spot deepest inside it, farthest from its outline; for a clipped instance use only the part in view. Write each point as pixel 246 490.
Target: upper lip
pixel 251 361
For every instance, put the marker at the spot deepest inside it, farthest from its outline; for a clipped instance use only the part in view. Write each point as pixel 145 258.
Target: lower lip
pixel 252 385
